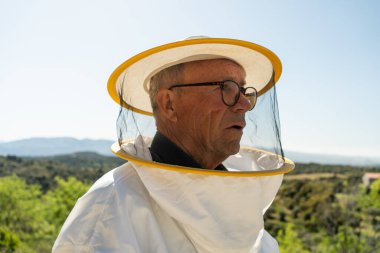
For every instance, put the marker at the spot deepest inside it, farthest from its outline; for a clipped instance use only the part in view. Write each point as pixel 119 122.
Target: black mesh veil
pixel 130 84
pixel 131 124
pixel 262 131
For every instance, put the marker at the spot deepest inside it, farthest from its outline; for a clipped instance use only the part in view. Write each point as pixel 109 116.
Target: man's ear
pixel 166 104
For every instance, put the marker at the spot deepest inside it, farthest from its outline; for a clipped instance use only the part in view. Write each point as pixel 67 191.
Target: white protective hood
pixel 140 208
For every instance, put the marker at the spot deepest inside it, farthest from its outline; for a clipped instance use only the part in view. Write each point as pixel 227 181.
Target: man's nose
pixel 242 104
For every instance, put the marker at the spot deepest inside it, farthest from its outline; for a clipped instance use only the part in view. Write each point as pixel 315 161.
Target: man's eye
pixel 227 88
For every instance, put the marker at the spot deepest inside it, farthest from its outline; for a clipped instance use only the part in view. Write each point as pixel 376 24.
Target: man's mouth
pixel 238 126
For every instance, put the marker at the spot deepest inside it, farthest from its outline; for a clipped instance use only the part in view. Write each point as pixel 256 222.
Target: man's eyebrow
pixel 241 83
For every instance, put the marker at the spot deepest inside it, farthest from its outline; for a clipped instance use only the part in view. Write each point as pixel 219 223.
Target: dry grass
pixel 313 176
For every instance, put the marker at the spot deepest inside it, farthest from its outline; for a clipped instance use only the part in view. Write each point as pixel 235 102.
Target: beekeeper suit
pixel 203 170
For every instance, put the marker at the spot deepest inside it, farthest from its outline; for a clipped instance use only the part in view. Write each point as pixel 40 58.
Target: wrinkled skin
pixel 197 120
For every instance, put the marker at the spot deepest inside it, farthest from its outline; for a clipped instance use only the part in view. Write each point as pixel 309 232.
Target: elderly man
pixel 199 122
pixel 174 194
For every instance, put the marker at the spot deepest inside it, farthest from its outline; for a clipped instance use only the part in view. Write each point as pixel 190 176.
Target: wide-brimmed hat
pixel 129 83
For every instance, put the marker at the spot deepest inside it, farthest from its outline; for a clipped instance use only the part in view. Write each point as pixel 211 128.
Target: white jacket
pixel 138 208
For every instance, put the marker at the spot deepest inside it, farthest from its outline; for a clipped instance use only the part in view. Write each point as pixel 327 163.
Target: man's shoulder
pixel 114 177
pixel 120 181
pixel 103 206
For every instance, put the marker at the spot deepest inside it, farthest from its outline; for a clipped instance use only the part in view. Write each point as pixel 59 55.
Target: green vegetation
pixel 319 208
pixel 84 166
pixel 331 212
pixel 30 220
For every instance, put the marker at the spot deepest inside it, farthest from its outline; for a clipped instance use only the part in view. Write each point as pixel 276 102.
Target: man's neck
pixel 207 159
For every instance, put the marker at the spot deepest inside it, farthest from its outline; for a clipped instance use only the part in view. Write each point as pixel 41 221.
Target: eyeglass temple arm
pixel 196 84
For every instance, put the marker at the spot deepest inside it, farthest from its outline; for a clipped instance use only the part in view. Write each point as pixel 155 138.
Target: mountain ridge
pixel 42 146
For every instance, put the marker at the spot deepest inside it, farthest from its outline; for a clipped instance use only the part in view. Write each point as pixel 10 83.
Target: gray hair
pixel 163 79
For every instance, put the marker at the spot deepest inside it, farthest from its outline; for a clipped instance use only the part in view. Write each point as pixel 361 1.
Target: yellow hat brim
pixel 263 68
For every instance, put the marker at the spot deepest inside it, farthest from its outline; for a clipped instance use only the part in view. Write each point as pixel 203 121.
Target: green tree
pixel 289 241
pixel 369 202
pixel 371 196
pixel 23 226
pixel 9 242
pixel 346 241
pixel 60 200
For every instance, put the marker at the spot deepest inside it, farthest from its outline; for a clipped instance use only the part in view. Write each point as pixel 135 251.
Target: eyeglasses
pixel 230 91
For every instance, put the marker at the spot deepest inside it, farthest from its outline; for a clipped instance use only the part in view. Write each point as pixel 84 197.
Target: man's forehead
pixel 207 63
pixel 221 69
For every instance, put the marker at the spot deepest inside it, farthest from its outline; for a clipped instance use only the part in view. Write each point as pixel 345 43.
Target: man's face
pixel 213 126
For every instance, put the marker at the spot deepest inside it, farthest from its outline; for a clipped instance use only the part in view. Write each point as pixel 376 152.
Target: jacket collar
pixel 165 151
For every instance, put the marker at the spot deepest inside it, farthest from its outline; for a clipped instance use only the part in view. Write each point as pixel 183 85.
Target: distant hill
pixel 66 145
pixel 300 157
pixel 84 166
pixel 54 146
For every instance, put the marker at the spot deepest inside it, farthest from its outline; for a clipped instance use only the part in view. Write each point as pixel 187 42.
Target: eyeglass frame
pixel 221 84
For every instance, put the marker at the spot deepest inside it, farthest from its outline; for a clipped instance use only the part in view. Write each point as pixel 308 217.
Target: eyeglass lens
pixel 231 93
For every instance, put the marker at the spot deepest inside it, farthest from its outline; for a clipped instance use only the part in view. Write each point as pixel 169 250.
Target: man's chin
pixel 233 148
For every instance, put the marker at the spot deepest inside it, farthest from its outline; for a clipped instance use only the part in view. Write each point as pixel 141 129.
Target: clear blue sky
pixel 56 57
